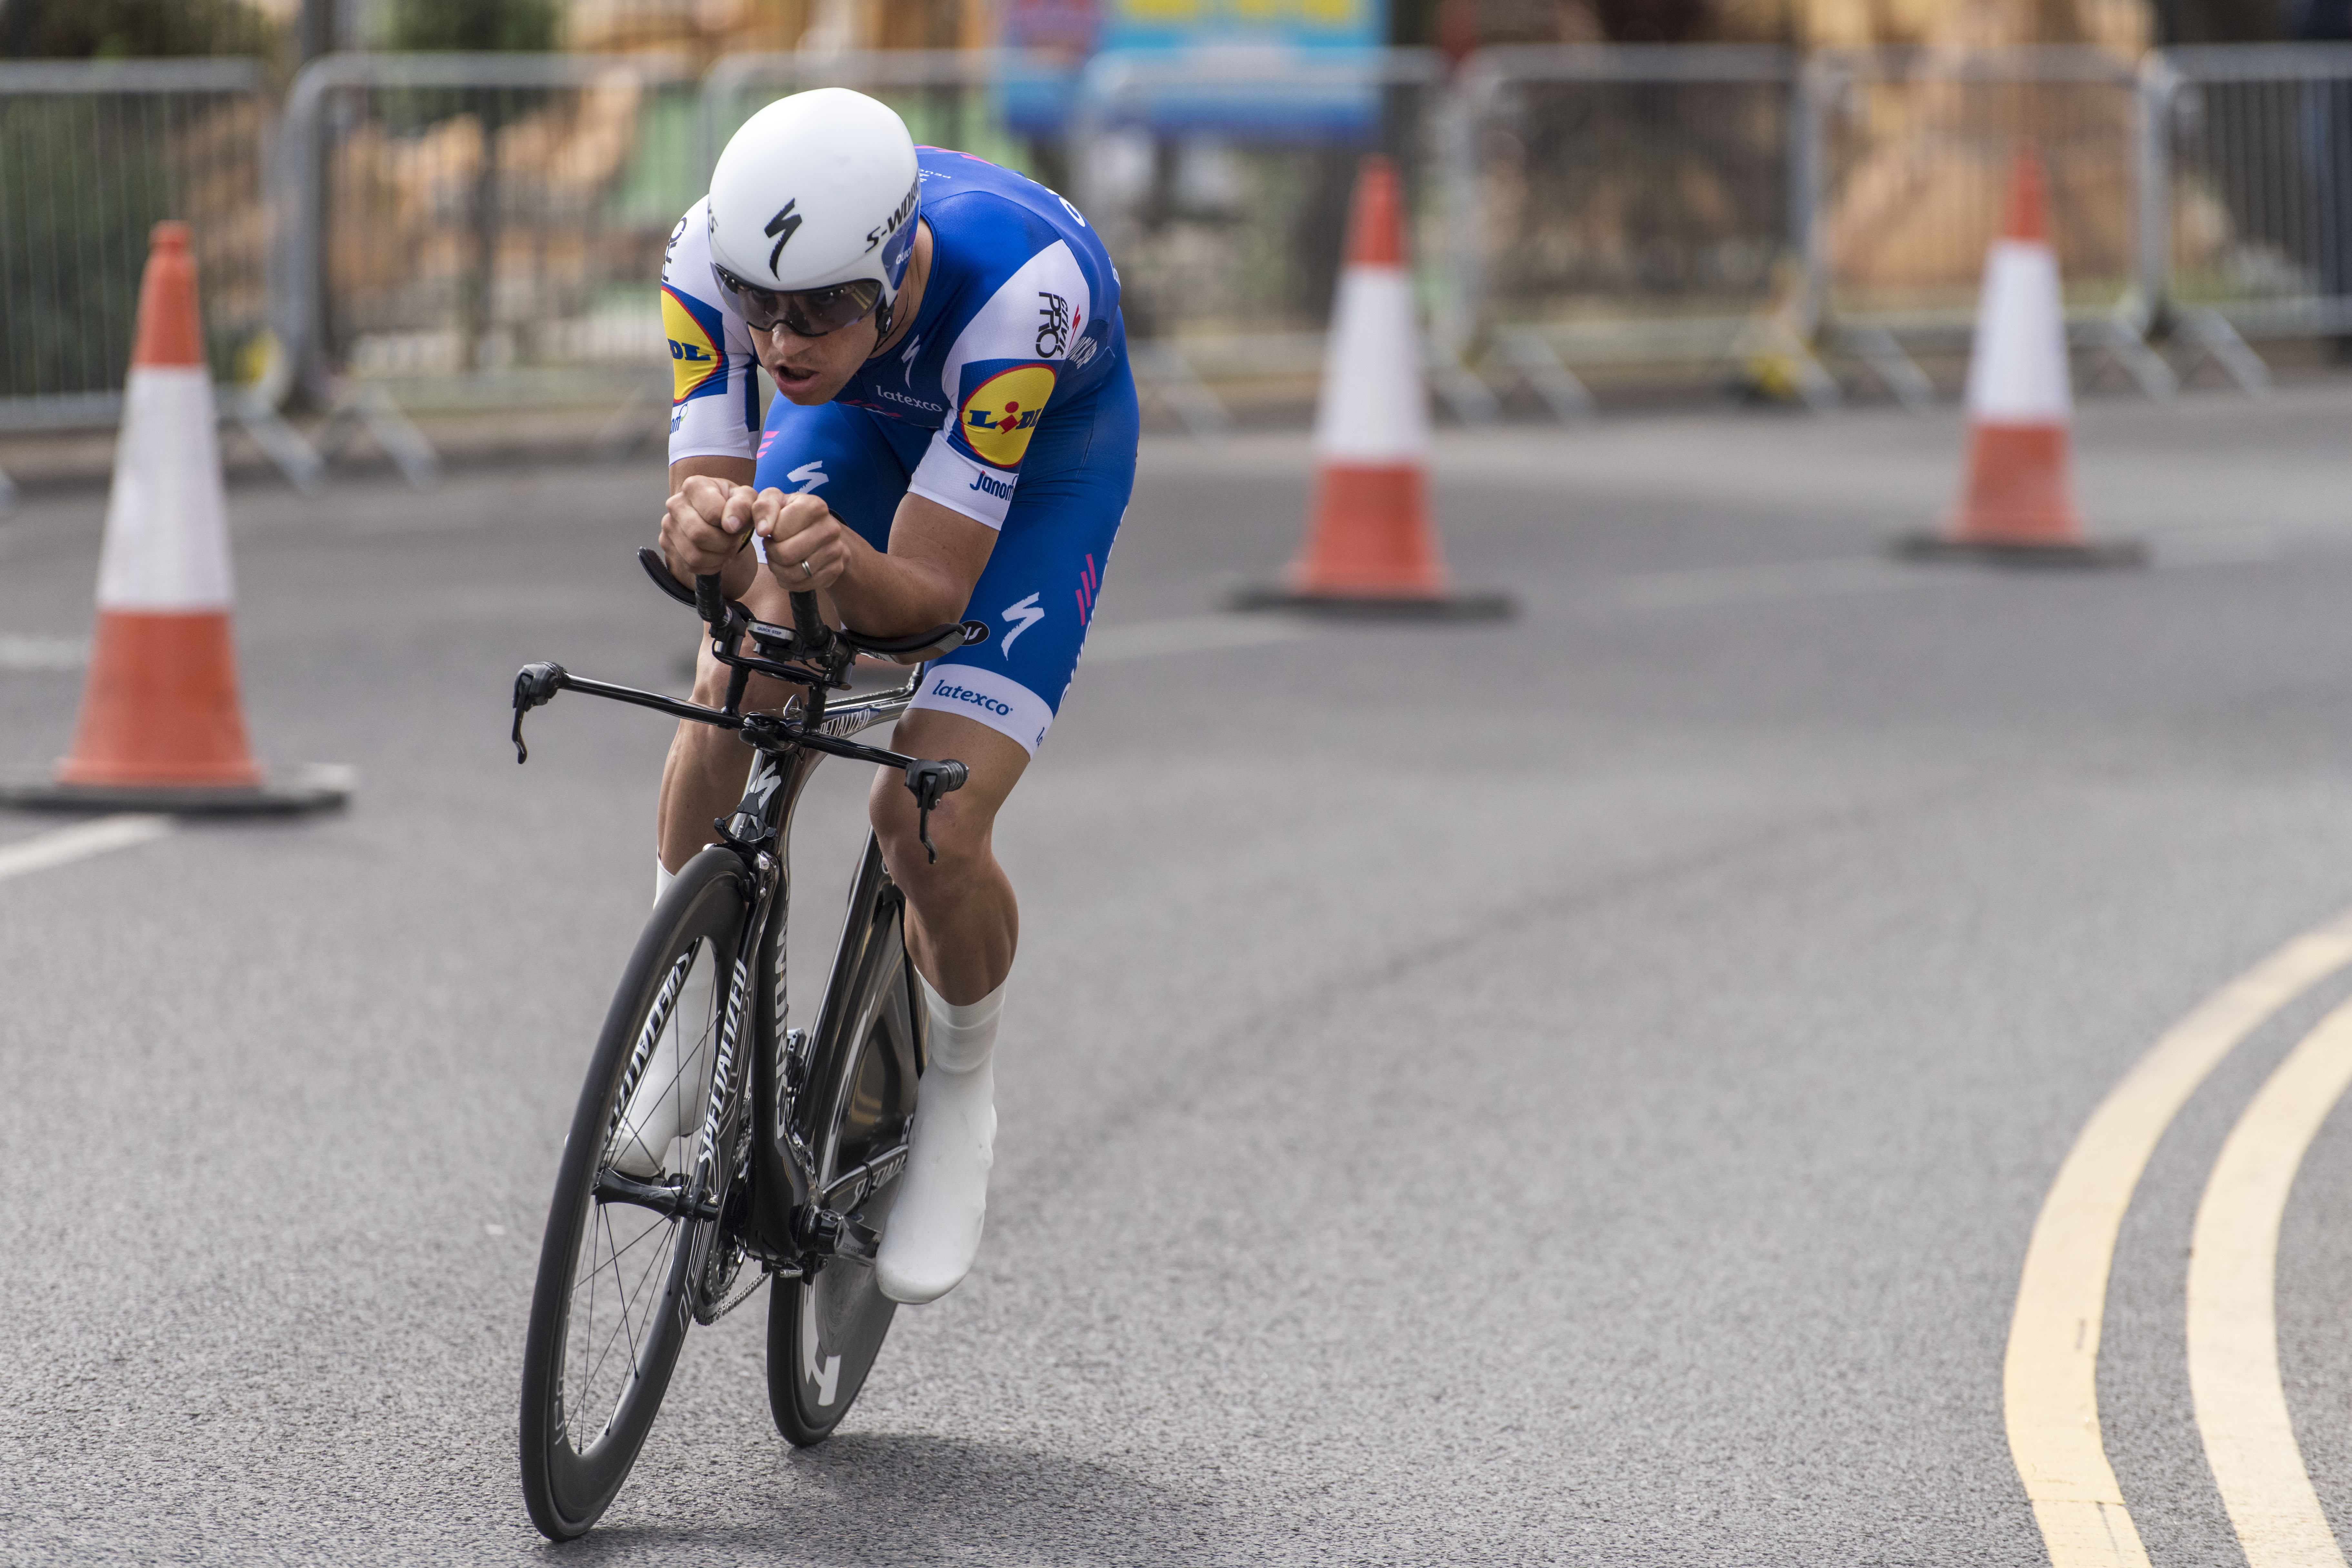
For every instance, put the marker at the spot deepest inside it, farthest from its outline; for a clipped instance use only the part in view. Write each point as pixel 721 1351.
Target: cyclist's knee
pixel 709 679
pixel 960 832
pixel 962 824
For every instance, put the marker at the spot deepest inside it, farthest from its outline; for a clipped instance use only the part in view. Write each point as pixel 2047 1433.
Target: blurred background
pixel 433 224
pixel 1570 1089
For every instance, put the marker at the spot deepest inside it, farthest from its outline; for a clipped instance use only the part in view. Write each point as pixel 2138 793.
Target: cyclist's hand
pixel 705 526
pixel 808 547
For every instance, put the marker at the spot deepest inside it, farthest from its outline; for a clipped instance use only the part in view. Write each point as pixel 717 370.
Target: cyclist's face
pixel 809 371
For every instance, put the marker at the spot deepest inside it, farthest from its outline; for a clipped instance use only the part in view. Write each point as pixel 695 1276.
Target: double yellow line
pixel 2051 1378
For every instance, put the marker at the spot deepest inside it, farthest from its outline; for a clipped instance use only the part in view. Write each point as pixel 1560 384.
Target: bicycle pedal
pixel 829 1234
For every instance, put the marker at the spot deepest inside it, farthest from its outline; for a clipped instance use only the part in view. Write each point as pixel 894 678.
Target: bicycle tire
pixel 566 1368
pixel 864 1065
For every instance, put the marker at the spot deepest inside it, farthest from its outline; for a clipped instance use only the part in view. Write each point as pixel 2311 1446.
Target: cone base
pixel 313 786
pixel 2021 552
pixel 1444 607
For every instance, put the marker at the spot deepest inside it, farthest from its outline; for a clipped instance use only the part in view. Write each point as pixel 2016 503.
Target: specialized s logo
pixel 781 228
pixel 999 415
pixel 697 362
pixel 1019 618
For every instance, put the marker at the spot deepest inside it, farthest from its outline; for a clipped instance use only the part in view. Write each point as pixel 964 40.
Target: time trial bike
pixel 789 1169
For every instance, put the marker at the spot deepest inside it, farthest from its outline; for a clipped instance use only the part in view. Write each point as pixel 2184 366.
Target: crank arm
pixel 852 1187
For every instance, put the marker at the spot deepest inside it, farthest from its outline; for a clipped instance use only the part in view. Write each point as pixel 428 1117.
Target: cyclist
pixel 954 437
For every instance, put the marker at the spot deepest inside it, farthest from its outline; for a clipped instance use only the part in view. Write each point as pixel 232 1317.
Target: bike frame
pixel 788 1225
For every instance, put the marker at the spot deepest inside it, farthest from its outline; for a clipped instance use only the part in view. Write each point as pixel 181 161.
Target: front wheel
pixel 617 1270
pixel 855 1117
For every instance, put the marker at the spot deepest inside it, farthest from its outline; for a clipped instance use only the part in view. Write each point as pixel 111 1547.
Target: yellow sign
pixel 1002 412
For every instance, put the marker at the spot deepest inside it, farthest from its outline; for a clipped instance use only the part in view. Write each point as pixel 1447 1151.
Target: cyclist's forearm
pixel 926 578
pixel 892 595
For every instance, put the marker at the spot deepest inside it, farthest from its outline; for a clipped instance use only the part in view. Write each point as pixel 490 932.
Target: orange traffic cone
pixel 160 726
pixel 2016 503
pixel 1369 547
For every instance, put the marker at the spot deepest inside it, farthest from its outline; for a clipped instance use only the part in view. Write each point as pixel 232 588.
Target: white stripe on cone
pixel 1373 410
pixel 2017 361
pixel 167 519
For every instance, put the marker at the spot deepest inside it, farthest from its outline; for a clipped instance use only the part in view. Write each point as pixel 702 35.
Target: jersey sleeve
pixel 714 407
pixel 998 380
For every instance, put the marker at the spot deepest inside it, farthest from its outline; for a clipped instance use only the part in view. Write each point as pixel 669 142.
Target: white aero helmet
pixel 812 209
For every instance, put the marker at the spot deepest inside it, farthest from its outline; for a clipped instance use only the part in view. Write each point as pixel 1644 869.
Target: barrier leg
pixel 279 442
pixel 1897 371
pixel 2209 336
pixel 1540 367
pixel 1472 402
pixel 1162 371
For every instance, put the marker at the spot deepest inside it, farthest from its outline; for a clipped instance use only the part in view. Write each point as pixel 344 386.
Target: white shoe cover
pixel 668 1102
pixel 933 1233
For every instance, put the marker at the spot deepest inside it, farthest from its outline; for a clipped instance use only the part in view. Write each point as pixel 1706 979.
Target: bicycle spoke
pixel 632 1323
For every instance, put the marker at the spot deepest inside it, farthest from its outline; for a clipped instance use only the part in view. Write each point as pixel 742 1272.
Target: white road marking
pixel 1190 634
pixel 2051 1378
pixel 43 654
pixel 2233 1364
pixel 63 845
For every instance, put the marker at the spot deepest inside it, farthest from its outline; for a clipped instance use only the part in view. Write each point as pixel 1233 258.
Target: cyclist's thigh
pixel 1038 592
pixel 844 457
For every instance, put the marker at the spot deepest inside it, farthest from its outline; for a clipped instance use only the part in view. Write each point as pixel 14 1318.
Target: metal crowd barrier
pixel 2249 233
pixel 484 230
pixel 1903 165
pixel 1632 204
pixel 1221 182
pixel 481 231
pixel 949 98
pixel 91 155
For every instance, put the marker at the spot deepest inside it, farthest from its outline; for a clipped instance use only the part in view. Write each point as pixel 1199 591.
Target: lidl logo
pixel 698 365
pixel 997 418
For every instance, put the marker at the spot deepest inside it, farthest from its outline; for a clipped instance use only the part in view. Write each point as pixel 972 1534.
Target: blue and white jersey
pixel 1019 323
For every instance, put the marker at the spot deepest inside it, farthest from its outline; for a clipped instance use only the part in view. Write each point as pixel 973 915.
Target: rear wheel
pixel 824 1332
pixel 619 1266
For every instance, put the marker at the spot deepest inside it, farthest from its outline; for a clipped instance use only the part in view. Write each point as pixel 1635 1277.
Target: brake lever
pixel 535 686
pixel 927 781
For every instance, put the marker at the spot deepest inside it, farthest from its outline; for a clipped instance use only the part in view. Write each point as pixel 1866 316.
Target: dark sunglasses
pixel 803 312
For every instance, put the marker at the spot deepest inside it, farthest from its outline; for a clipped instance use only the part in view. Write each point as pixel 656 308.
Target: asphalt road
pixel 1571 1091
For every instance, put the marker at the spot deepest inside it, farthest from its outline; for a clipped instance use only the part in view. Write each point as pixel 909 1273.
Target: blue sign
pixel 1280 69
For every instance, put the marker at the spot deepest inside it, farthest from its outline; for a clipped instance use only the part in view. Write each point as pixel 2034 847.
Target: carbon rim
pixel 630 1261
